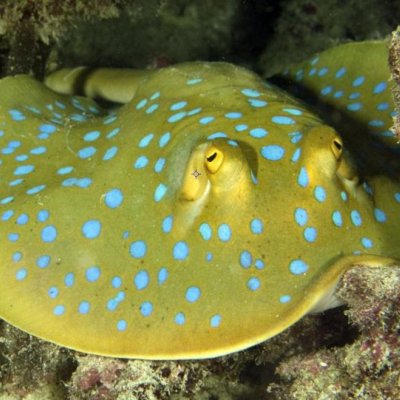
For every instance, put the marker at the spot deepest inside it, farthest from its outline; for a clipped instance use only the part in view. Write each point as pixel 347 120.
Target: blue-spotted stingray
pixel 207 214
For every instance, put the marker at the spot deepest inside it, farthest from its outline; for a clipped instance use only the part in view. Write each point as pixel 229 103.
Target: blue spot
pixel 380 87
pixel 16 182
pixel 145 141
pixel 84 307
pixel 292 111
pixel 64 170
pixel 164 139
pixel 233 115
pixel 114 198
pixel 353 96
pixel 69 279
pixel 314 60
pixel 138 249
pixel 285 298
pixel 272 152
pixel 86 152
pixel 257 103
pixel 215 321
pixel 155 95
pixel 302 179
pixel 376 123
pixel 91 229
pixel 43 261
pixel 300 216
pixel 312 71
pixel 295 137
pixel 21 274
pixel 323 71
pixel 358 81
pixel 82 183
pixel 177 117
pixel 180 318
pixel 241 128
pixel 146 308
pixel 209 256
pixel 116 282
pixel 320 193
pixel 246 259
pixel 224 232
pixel 159 165
pixel 233 143
pixel 92 273
pixel 141 104
pixel 310 234
pixel 193 293
pixel 109 120
pixel 152 108
pixel 354 106
pixel 259 264
pixel 217 135
pixel 17 115
pixel 380 215
pixel 160 192
pixel 180 250
pixel 142 280
pixel 13 237
pixel 337 218
pixel 257 132
pixel 206 120
pixel 110 153
pixel 122 325
pixel 47 128
pixel 283 120
pixel 178 106
pixel 141 162
pixel 112 304
pixel 49 234
pixel 7 200
pixel 39 150
pixel 43 215
pixel 343 195
pixel 113 133
pixel 21 157
pixel 355 218
pixel 340 72
pixel 326 90
pixel 397 197
pixel 9 213
pixel 194 81
pixel 22 219
pixel 52 292
pixel 35 189
pixel 296 155
pixel 91 136
pixel 382 106
pixel 338 94
pixel 256 226
pixel 251 92
pixel 298 267
pixel 17 256
pixel 205 231
pixel 253 283
pixel 366 242
pixel 59 310
pixel 162 275
pixel 24 169
pixel 167 224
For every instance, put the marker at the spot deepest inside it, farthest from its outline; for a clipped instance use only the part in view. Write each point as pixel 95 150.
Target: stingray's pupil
pixel 212 157
pixel 338 145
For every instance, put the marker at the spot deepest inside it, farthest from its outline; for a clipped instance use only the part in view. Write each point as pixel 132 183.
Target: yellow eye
pixel 337 147
pixel 213 159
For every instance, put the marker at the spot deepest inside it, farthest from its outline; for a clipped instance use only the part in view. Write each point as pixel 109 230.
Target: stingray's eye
pixel 213 159
pixel 337 147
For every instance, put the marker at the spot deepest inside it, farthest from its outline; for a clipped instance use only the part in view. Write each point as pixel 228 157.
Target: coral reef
pixel 394 63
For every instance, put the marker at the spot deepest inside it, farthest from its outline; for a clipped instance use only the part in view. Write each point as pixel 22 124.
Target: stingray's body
pixel 208 214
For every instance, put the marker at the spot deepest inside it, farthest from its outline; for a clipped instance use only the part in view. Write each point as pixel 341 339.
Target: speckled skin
pixel 208 214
